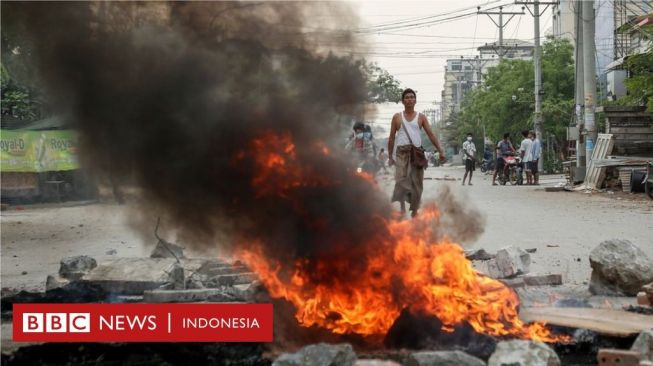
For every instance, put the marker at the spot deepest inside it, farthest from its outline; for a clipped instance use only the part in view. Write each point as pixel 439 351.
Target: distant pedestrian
pixel 382 159
pixel 406 127
pixel 469 149
pixel 535 160
pixel 525 152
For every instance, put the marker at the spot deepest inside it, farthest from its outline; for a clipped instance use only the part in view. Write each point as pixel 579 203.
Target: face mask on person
pixel 469 138
pixel 359 135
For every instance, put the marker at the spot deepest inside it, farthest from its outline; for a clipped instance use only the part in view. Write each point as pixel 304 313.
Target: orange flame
pixel 410 268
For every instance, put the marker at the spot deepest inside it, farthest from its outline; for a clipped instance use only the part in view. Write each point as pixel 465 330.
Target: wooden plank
pixel 612 322
pixel 602 148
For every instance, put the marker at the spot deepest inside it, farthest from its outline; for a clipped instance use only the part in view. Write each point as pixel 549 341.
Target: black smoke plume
pixel 173 94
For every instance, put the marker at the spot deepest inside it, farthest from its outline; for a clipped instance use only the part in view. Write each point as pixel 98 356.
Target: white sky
pixel 417 57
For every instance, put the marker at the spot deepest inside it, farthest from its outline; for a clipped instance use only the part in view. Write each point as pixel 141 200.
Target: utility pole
pixel 537 63
pixel 500 24
pixel 580 93
pixel 589 76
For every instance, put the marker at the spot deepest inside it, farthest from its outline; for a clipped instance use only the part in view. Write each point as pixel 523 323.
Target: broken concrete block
pixel 232 279
pixel 514 282
pixel 53 281
pixel 319 354
pixel 617 357
pixel 478 255
pixel 133 276
pixel 619 268
pixel 195 295
pixel 164 249
pixel 543 280
pixel 442 358
pixel 642 299
pixel 74 268
pixel 523 353
pixel 512 261
pixel 644 345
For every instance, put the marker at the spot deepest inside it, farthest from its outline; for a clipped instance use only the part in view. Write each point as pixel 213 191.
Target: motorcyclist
pixel 504 148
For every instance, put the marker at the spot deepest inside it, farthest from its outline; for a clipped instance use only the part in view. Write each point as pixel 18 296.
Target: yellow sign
pixel 38 151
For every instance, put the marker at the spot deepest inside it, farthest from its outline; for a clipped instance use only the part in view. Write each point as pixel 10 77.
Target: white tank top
pixel 413 130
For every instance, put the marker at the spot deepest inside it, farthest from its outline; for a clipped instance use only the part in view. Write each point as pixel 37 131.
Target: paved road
pixel 36 238
pixel 529 217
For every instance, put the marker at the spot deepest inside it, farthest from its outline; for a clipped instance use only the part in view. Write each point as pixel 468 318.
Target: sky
pixel 416 57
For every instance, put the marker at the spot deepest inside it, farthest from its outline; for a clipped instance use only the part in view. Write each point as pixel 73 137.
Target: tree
pixel 381 85
pixel 505 102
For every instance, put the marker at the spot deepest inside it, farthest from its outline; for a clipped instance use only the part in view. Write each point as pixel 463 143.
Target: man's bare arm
pixel 391 139
pixel 429 133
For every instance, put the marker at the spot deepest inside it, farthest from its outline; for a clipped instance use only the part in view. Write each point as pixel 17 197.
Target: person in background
pixel 526 156
pixel 536 153
pixel 382 158
pixel 469 149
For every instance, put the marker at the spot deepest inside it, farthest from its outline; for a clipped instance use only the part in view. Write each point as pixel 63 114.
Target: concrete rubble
pixel 160 280
pixel 375 362
pixel 442 358
pixel 644 345
pixel 320 354
pixel 619 268
pixel 73 268
pixel 523 353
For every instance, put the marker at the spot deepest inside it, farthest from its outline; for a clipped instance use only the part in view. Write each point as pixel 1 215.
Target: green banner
pixel 38 151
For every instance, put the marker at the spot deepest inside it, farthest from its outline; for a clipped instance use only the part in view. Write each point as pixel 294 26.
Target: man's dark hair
pixel 524 133
pixel 506 135
pixel 469 134
pixel 408 91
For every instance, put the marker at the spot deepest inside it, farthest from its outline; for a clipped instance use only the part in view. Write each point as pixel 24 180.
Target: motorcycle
pixel 512 171
pixel 487 165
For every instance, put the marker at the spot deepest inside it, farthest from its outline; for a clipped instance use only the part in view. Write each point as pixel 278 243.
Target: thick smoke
pixel 173 94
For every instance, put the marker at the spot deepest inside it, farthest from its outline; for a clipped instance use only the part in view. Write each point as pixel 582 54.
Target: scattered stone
pixel 442 358
pixel 195 295
pixel 553 246
pixel 531 250
pixel 543 280
pixel 619 268
pixel 74 268
pixel 164 249
pixel 478 255
pixel 374 362
pixel 53 282
pixel 512 261
pixel 133 276
pixel 644 345
pixel 23 273
pixel 523 353
pixel 111 252
pixel 321 354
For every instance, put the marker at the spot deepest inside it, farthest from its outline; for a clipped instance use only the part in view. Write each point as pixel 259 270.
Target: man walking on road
pixel 470 161
pixel 405 127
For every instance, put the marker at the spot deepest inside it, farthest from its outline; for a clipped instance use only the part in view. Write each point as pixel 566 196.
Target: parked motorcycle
pixel 487 165
pixel 512 171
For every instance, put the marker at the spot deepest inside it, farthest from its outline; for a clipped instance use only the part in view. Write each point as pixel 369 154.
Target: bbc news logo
pixel 142 322
pixel 56 322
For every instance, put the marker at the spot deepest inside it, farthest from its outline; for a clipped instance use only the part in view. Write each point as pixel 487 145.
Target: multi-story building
pixel 463 74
